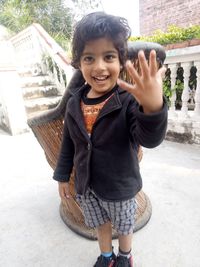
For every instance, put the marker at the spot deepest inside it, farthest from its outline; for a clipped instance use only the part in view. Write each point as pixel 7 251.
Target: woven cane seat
pixel 48 129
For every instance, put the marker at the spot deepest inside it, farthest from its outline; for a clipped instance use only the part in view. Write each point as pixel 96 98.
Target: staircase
pixel 43 68
pixel 40 93
pixel 34 73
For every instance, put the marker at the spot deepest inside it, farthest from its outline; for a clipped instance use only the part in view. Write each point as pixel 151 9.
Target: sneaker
pixel 124 261
pixel 105 262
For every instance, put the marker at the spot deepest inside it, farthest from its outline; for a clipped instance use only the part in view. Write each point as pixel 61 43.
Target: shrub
pixel 174 34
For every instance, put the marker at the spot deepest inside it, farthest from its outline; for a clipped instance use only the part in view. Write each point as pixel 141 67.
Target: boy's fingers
pixel 153 63
pixel 67 195
pixel 133 73
pixel 64 191
pixel 129 88
pixel 143 64
pixel 126 86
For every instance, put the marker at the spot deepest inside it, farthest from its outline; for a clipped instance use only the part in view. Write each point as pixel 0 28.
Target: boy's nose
pixel 99 64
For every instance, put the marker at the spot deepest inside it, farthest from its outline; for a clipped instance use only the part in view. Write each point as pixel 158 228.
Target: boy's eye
pixel 87 59
pixel 110 57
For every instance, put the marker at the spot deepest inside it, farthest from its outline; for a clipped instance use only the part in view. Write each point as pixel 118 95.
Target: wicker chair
pixel 48 129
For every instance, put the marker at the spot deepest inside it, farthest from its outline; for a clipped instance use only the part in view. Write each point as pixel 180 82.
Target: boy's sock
pixel 107 254
pixel 124 254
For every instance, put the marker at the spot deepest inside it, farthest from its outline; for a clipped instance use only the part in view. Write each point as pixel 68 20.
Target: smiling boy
pixel 105 122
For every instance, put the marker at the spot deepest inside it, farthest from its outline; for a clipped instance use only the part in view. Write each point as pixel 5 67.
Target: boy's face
pixel 100 66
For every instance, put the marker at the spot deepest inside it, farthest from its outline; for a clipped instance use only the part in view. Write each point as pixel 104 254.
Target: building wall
pixel 155 14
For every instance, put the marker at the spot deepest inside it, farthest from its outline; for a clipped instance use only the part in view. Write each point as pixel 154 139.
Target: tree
pixel 82 7
pixel 56 16
pixel 53 15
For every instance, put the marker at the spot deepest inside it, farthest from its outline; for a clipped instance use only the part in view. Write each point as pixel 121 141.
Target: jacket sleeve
pixel 147 130
pixel 65 160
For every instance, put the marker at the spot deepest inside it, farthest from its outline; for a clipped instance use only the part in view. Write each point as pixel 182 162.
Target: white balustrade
pixel 62 82
pixel 197 93
pixel 185 95
pixel 185 127
pixel 32 45
pixel 27 50
pixel 173 69
pixel 186 58
pixel 55 51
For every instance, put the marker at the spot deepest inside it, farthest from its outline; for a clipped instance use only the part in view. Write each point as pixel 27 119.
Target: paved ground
pixel 32 233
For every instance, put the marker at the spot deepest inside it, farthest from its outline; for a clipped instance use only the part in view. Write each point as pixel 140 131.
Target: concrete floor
pixel 33 234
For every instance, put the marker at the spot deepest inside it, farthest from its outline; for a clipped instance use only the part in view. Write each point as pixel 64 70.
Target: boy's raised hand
pixel 147 87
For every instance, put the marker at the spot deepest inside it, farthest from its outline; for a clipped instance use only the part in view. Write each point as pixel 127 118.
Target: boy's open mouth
pixel 100 78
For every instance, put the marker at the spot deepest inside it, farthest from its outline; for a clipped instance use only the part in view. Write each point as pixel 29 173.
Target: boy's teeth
pixel 101 78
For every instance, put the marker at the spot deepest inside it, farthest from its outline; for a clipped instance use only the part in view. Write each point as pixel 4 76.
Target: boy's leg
pixel 96 217
pixel 104 234
pixel 107 257
pixel 125 229
pixel 125 242
pixel 124 258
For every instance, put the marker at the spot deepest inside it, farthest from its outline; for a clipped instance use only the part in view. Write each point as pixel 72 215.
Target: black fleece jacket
pixel 107 161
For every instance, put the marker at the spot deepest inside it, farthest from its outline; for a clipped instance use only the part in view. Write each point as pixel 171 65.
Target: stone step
pixel 39 91
pixel 34 81
pixel 24 72
pixel 41 104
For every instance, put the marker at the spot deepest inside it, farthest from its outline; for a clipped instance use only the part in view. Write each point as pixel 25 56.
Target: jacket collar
pixel 74 107
pixel 113 104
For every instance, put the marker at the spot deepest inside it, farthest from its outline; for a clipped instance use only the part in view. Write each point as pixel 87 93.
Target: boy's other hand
pixel 63 189
pixel 147 85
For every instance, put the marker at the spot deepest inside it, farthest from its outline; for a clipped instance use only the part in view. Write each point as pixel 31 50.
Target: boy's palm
pixel 147 86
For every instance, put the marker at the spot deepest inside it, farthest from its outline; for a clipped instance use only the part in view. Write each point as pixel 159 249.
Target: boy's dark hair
pixel 98 25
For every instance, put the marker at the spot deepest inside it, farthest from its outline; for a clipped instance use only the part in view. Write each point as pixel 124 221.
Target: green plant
pixel 167 86
pixel 179 86
pixel 174 34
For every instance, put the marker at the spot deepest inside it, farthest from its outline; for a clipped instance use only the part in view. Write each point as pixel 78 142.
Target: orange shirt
pixel 90 113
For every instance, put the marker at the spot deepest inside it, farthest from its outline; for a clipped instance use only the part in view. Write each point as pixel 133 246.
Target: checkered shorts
pixel 97 212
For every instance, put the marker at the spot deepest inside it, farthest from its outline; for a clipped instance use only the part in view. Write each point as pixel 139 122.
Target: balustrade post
pixel 197 93
pixel 173 69
pixel 57 77
pixel 38 51
pixel 62 83
pixel 55 74
pixel 185 95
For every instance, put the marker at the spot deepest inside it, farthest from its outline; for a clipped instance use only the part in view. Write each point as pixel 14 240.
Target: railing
pixel 38 53
pixel 184 120
pixel 185 58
